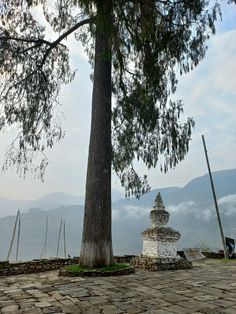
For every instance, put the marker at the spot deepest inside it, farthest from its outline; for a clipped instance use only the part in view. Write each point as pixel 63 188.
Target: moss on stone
pixel 113 267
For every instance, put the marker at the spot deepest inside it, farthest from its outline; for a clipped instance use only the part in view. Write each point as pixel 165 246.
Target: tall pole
pixel 64 236
pixel 46 238
pixel 44 250
pixel 215 200
pixel 18 238
pixel 13 235
pixel 59 236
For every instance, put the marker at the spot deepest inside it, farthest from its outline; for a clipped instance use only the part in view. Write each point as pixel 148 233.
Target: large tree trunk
pixel 96 248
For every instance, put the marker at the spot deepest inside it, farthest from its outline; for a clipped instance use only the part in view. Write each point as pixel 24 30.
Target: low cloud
pixel 228 204
pixel 182 207
pixel 192 207
pixel 130 211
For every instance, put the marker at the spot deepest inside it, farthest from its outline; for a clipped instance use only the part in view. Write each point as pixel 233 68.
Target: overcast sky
pixel 209 95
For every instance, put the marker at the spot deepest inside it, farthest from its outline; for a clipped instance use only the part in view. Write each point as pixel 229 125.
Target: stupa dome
pixel 165 234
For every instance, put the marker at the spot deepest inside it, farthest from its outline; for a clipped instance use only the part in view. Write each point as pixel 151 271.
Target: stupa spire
pixel 158 215
pixel 158 202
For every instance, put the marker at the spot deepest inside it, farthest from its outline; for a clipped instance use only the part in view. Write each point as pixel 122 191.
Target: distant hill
pixel 49 201
pixel 198 190
pixel 191 208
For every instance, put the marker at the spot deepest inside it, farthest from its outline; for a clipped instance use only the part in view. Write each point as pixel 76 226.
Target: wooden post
pixel 215 200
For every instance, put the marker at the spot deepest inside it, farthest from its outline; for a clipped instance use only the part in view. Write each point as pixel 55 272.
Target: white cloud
pixel 214 79
pixel 182 207
pixel 130 211
pixel 135 211
pixel 228 204
pixel 192 207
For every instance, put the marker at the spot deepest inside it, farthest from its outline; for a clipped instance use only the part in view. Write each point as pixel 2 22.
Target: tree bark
pixel 96 248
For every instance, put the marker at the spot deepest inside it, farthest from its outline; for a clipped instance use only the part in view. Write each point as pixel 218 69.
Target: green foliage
pixel 205 248
pixel 77 268
pixel 150 40
pixel 32 71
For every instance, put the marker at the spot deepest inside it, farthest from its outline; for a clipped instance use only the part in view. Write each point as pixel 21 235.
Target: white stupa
pixel 159 241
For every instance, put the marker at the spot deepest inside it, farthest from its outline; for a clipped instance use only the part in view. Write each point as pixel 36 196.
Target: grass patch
pixel 77 268
pixel 228 260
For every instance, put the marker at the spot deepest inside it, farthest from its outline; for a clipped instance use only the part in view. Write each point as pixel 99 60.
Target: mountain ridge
pixel 49 201
pixel 224 182
pixel 192 215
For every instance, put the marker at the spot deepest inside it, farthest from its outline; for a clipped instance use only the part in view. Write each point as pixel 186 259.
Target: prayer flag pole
pixel 13 235
pixel 59 236
pixel 215 200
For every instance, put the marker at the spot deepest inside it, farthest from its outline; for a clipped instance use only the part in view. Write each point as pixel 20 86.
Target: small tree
pixel 135 48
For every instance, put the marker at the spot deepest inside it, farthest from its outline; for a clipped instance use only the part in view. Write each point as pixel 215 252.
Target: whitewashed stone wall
pixel 159 249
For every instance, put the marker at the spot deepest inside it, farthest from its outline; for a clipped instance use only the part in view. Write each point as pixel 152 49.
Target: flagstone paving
pixel 210 287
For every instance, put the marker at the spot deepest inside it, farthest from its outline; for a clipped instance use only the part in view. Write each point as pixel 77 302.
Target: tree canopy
pixel 150 41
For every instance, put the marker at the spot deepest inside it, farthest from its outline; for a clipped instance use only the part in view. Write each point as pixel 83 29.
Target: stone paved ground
pixel 210 287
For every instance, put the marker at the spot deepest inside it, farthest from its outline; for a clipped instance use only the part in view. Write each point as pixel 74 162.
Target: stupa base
pixel 160 264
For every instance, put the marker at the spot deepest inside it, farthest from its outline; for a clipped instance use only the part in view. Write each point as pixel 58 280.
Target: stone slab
pixel 193 254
